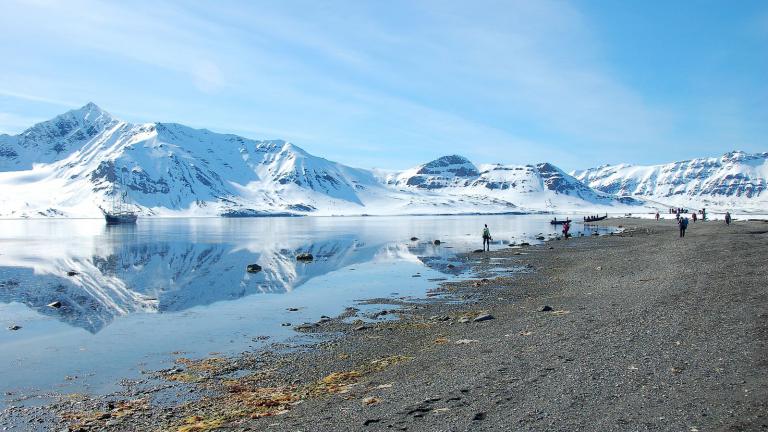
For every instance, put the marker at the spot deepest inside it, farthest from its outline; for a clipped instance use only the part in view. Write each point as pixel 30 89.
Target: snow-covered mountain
pixel 736 180
pixel 78 162
pixel 542 186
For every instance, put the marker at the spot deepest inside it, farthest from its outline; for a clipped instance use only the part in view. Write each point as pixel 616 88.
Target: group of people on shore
pixel 680 212
pixel 682 222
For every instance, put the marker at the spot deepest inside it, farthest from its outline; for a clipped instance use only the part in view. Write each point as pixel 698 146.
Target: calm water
pixel 143 294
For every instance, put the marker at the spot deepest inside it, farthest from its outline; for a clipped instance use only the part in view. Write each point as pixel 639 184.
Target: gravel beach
pixel 636 331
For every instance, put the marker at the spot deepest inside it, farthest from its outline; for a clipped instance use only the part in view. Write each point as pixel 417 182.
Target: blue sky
pixel 391 84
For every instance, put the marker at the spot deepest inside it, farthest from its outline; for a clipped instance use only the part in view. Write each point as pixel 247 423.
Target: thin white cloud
pixel 36 98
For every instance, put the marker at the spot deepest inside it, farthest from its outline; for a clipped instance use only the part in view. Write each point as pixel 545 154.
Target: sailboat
pixel 119 214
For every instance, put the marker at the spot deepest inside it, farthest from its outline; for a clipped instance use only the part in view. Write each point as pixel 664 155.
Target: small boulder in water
pixel 437 242
pixel 72 273
pixel 55 305
pixel 304 257
pixel 414 238
pixel 540 238
pixel 525 244
pixel 14 327
pixel 479 251
pixel 253 268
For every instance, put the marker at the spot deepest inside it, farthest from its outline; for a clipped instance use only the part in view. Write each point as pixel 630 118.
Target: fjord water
pixel 135 298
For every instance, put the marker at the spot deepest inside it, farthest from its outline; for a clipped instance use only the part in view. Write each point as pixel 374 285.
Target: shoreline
pixel 636 338
pixel 751 216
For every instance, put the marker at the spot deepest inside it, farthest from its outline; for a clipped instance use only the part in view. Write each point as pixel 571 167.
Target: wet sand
pixel 646 331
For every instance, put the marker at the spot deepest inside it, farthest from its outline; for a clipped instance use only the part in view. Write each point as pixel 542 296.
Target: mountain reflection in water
pixel 124 272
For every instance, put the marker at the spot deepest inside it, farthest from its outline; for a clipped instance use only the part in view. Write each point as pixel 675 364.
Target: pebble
pixel 483 317
pixel 307 326
pixel 545 308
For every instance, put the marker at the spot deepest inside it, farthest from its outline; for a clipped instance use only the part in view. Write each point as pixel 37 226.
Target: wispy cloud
pixel 36 98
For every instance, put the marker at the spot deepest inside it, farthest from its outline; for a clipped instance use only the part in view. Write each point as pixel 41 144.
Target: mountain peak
pixel 447 160
pixel 90 112
pixel 451 165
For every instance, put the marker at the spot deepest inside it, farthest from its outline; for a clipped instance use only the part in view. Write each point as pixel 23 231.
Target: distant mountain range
pixel 736 180
pixel 78 162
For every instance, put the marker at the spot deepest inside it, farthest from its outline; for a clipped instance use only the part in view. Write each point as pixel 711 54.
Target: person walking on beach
pixel 693 216
pixel 566 228
pixel 486 238
pixel 683 226
pixel 727 218
pixel 657 216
